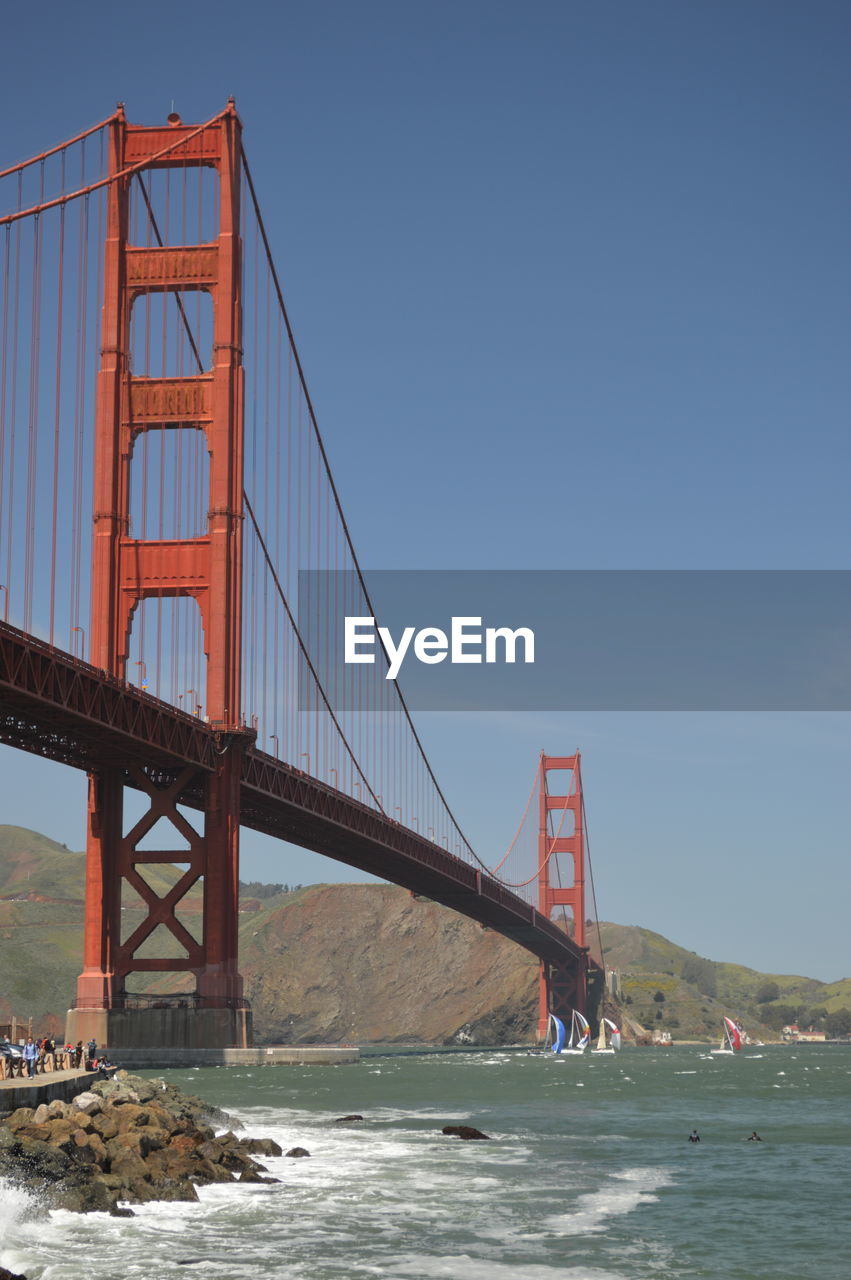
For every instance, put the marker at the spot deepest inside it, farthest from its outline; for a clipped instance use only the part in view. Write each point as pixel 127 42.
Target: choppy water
pixel 589 1175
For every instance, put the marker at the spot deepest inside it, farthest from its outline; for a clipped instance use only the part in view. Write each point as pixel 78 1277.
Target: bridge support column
pixel 562 988
pixel 136 912
pixel 103 890
pixel 209 1008
pixel 561 830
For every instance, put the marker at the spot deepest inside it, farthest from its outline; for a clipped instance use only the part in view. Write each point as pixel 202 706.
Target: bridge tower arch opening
pixel 134 565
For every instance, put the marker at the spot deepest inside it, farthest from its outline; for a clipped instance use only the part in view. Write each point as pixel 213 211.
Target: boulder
pixel 212 1151
pixel 88 1102
pixel 34 1132
pixel 60 1131
pixel 139 1191
pixel 115 1091
pixel 345 1119
pixel 130 1115
pixel 126 1165
pixel 261 1146
pixel 297 1152
pixel 22 1116
pixel 204 1171
pixel 39 1162
pixel 238 1161
pixel 465 1132
pixel 106 1124
pixel 170 1189
pixel 98 1147
pixel 185 1143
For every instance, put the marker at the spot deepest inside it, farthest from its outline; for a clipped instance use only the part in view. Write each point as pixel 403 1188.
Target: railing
pixel 173 1000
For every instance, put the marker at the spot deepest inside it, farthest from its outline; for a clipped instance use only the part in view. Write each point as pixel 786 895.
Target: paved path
pixel 50 1077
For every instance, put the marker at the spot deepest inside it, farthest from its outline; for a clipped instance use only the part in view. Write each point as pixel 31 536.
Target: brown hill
pixel 365 962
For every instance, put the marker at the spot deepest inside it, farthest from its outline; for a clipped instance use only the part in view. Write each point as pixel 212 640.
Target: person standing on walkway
pixel 30 1056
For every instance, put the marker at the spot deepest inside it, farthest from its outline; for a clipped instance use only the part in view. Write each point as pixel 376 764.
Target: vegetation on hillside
pixel 698 992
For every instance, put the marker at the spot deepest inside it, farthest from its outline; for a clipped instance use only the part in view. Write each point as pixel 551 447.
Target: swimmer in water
pixel 694 1136
pixel 754 1137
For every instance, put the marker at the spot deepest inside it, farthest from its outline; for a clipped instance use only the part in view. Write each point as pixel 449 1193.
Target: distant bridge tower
pixel 562 986
pixel 127 571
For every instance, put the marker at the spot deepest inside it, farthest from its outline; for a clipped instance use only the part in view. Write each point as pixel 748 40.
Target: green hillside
pixel 676 990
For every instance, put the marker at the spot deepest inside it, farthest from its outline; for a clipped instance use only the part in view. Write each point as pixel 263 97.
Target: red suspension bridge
pixel 163 484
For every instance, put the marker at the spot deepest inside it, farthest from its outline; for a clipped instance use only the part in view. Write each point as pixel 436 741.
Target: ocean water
pixel 588 1176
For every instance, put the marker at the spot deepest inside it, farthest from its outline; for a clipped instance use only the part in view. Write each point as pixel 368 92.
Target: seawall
pixel 157 1059
pixel 61 1085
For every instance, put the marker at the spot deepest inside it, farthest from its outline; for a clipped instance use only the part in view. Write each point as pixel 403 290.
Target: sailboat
pixel 731 1038
pixel 604 1044
pixel 557 1033
pixel 580 1033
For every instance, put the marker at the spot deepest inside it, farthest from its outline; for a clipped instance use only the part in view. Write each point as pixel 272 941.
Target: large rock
pixel 465 1131
pixel 22 1116
pixel 106 1124
pixel 88 1102
pixel 261 1146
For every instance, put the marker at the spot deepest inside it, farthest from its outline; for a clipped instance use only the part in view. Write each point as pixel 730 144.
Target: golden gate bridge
pixel 163 485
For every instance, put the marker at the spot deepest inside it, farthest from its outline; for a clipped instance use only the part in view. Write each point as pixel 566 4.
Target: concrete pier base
pixel 62 1085
pixel 168 1027
pixel 153 1059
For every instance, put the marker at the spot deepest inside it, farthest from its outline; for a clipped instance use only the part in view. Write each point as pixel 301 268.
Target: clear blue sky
pixel 571 287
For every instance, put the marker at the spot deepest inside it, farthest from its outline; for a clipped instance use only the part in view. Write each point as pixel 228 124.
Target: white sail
pixel 615 1037
pixel 607 1043
pixel 580 1033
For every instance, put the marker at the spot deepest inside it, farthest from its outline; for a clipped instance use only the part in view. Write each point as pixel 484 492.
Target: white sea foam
pixel 465 1267
pixel 623 1193
pixel 18 1209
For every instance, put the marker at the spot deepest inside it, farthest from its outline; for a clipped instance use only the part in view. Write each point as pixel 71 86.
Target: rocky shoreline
pixel 126 1141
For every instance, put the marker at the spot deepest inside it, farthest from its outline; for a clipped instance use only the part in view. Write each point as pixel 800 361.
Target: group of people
pixel 694 1136
pixel 43 1055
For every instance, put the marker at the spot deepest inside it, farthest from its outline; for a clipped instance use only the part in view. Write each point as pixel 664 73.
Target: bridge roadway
pixel 63 709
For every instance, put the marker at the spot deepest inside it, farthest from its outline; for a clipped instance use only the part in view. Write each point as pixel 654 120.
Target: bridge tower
pixel 128 570
pixel 562 987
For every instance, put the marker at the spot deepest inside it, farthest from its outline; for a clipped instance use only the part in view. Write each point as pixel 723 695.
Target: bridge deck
pixel 56 706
